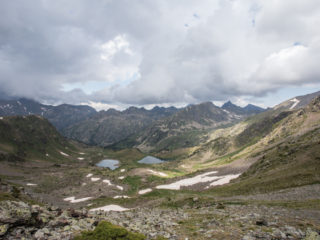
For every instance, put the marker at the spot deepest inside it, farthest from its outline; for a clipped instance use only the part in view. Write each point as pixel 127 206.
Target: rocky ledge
pixel 19 220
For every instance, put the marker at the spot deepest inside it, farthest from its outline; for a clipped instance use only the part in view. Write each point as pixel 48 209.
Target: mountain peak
pixel 207 104
pixel 134 110
pixel 228 104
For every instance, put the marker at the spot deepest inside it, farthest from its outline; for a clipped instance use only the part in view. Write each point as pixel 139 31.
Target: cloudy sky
pixel 165 52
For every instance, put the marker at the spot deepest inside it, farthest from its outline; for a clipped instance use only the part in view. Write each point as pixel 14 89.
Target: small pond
pixel 108 163
pixel 150 160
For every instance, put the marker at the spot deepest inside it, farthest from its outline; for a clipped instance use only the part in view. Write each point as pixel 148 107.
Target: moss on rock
pixel 108 231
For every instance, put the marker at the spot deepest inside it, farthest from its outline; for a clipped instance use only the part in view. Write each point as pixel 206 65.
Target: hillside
pixel 60 116
pixel 149 130
pixel 31 137
pixel 284 164
pixel 111 126
pixel 185 128
pixel 275 150
pixel 155 129
pixel 297 102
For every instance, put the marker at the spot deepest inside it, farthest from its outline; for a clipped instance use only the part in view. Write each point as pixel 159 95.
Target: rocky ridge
pixel 60 116
pixel 19 220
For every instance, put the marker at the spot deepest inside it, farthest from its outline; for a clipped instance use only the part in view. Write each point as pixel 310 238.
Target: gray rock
pixel 248 237
pixel 39 234
pixel 3 229
pixel 262 222
pixel 13 212
pixel 291 231
pixel 312 235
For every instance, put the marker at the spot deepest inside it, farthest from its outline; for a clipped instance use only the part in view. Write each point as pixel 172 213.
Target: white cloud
pixel 143 53
pixel 110 48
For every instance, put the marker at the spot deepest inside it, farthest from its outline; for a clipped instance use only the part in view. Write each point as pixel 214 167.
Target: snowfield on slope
pixel 295 102
pixel 111 207
pixel 64 154
pixel 144 191
pixel 74 200
pixel 202 178
pixel 157 173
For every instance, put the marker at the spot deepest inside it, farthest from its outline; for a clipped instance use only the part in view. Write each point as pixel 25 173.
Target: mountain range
pixel 60 116
pixel 235 167
pixel 138 127
pixel 149 130
pixel 105 128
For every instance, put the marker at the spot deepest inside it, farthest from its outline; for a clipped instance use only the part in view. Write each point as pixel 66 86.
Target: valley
pixel 206 172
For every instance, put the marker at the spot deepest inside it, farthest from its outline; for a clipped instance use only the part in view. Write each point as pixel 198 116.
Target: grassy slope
pixel 31 137
pixel 290 164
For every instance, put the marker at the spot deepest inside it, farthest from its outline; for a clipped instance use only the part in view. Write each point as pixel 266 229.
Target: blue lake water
pixel 150 160
pixel 108 163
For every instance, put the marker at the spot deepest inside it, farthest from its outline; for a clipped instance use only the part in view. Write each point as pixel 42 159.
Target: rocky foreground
pixel 19 220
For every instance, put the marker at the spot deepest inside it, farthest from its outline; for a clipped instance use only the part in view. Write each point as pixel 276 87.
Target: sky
pixel 117 53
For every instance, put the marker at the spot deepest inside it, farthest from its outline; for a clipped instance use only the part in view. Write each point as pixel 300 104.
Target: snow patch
pixel 80 158
pixel 202 178
pixel 295 102
pixel 89 175
pixel 224 180
pixel 64 154
pixel 144 191
pixel 1 118
pixel 107 182
pixel 121 177
pixel 122 170
pixel 225 111
pixel 74 200
pixel 158 173
pixel 81 153
pixel 190 181
pixel 31 184
pixel 94 179
pixel 119 187
pixel 122 196
pixel 47 154
pixel 111 207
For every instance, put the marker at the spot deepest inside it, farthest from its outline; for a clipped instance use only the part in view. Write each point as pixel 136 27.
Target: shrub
pixel 108 231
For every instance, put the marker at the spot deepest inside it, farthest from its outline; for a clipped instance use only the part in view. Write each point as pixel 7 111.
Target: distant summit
pixel 230 107
pixel 253 109
pixel 247 110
